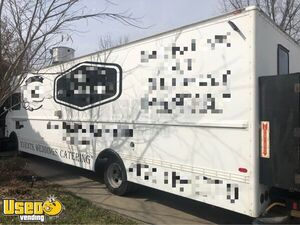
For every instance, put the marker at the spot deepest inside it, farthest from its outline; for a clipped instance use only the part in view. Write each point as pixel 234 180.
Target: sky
pixel 155 16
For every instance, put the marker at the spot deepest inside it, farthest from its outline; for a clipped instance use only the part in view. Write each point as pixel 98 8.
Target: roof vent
pixel 61 54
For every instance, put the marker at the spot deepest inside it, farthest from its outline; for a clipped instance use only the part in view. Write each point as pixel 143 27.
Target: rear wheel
pixel 115 177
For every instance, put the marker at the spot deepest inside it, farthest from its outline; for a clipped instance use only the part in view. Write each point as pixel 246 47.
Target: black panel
pixel 94 78
pixel 88 84
pixel 279 104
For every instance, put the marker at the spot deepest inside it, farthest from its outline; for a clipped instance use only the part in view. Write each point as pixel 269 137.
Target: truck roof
pixel 236 12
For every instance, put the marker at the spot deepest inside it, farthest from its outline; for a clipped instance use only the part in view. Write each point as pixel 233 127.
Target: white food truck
pixel 178 111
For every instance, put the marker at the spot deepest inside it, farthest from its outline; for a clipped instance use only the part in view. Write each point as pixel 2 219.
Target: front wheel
pixel 115 177
pixel 13 142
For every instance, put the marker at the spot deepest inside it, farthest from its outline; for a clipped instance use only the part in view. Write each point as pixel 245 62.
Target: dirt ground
pixel 20 183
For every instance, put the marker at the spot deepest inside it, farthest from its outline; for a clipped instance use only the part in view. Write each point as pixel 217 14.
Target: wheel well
pixel 103 158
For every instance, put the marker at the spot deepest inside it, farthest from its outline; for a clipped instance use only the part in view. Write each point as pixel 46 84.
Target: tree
pixel 106 42
pixel 28 29
pixel 285 13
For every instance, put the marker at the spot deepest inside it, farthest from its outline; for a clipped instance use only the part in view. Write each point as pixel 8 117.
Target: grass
pixel 15 182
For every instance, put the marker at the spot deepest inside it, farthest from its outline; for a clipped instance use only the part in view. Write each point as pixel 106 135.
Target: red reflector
pixel 295 205
pixel 243 170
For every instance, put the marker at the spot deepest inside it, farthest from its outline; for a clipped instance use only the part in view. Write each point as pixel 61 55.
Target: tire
pixel 13 142
pixel 14 145
pixel 115 177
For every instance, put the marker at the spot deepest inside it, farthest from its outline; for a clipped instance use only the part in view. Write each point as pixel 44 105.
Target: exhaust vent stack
pixel 61 54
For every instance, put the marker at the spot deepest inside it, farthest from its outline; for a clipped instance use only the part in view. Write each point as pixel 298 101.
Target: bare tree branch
pixel 285 13
pixel 29 28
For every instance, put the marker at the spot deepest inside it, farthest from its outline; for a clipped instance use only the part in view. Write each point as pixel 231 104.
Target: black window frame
pixel 16 101
pixel 13 102
pixel 282 48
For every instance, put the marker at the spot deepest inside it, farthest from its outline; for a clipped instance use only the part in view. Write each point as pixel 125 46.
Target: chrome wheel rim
pixel 114 175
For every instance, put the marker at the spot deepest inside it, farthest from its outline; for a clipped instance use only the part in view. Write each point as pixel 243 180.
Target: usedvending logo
pixel 32 210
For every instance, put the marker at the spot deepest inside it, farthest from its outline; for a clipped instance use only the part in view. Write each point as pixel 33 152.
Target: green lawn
pixel 14 183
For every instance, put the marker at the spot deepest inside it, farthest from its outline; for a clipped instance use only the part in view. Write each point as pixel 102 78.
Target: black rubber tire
pixel 124 186
pixel 14 145
pixel 13 142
